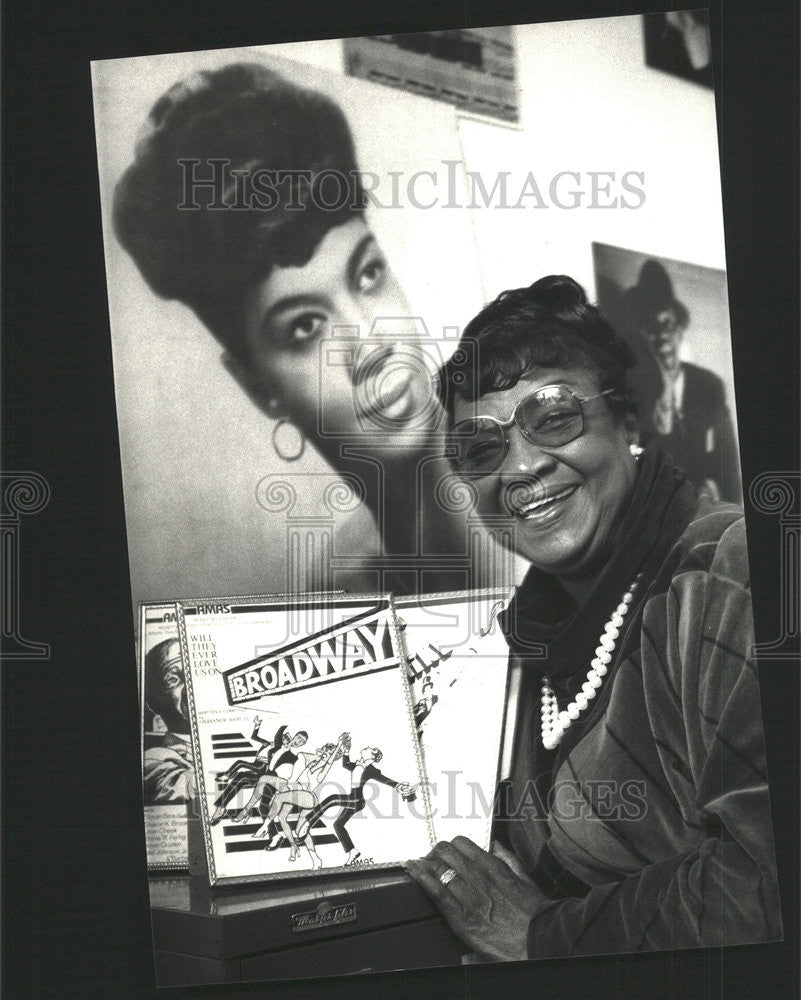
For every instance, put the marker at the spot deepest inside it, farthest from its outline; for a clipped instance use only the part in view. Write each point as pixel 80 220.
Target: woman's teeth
pixel 537 505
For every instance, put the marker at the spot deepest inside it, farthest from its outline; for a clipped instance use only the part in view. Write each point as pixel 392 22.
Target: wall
pixel 589 104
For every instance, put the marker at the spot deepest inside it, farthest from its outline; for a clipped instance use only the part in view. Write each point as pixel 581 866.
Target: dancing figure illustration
pixel 362 771
pixel 300 794
pixel 275 754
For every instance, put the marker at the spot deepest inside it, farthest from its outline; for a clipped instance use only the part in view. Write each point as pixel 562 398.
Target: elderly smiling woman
pixel 636 815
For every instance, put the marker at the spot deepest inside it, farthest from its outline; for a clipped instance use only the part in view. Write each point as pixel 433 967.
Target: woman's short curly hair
pixel 243 121
pixel 550 324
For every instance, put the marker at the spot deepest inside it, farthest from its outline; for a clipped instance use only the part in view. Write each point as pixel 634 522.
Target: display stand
pixel 367 922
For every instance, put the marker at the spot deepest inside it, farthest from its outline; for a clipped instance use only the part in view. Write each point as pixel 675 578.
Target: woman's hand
pixel 485 903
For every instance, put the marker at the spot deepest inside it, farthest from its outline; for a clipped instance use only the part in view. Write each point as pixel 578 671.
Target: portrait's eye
pixel 300 329
pixel 371 275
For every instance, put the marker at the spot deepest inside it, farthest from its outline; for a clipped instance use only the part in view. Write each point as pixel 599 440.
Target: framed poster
pixel 302 724
pixel 457 663
pixel 167 761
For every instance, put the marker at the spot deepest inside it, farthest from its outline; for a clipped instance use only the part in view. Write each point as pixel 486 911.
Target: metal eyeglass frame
pixel 506 424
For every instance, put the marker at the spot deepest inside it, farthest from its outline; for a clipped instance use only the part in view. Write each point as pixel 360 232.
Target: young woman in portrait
pixel 245 203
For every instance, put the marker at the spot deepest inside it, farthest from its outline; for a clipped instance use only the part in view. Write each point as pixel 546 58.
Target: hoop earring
pixel 288 454
pixel 636 451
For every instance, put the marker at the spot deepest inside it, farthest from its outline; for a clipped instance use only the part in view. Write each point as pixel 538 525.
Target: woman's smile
pixel 561 503
pixel 538 505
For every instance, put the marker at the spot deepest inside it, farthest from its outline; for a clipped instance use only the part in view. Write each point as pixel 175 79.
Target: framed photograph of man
pixel 675 317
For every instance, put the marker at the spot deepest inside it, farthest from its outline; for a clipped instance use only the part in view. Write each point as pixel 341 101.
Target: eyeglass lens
pixel 551 417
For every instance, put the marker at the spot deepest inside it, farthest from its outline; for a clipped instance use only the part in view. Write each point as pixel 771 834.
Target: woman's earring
pixel 289 441
pixel 636 451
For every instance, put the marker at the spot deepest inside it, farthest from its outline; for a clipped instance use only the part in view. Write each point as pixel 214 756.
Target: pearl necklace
pixel 554 722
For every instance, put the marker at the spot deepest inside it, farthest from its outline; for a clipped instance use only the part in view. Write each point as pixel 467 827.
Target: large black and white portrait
pixel 276 340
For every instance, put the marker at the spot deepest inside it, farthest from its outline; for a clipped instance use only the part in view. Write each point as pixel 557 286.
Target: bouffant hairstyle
pixel 550 324
pixel 272 147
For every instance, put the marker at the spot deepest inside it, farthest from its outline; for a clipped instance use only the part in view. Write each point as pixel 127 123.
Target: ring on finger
pixel 447 876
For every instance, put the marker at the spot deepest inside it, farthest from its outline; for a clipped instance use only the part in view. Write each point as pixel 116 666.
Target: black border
pixel 76 918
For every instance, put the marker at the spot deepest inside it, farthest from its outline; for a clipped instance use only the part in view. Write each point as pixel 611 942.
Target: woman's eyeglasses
pixel 550 416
